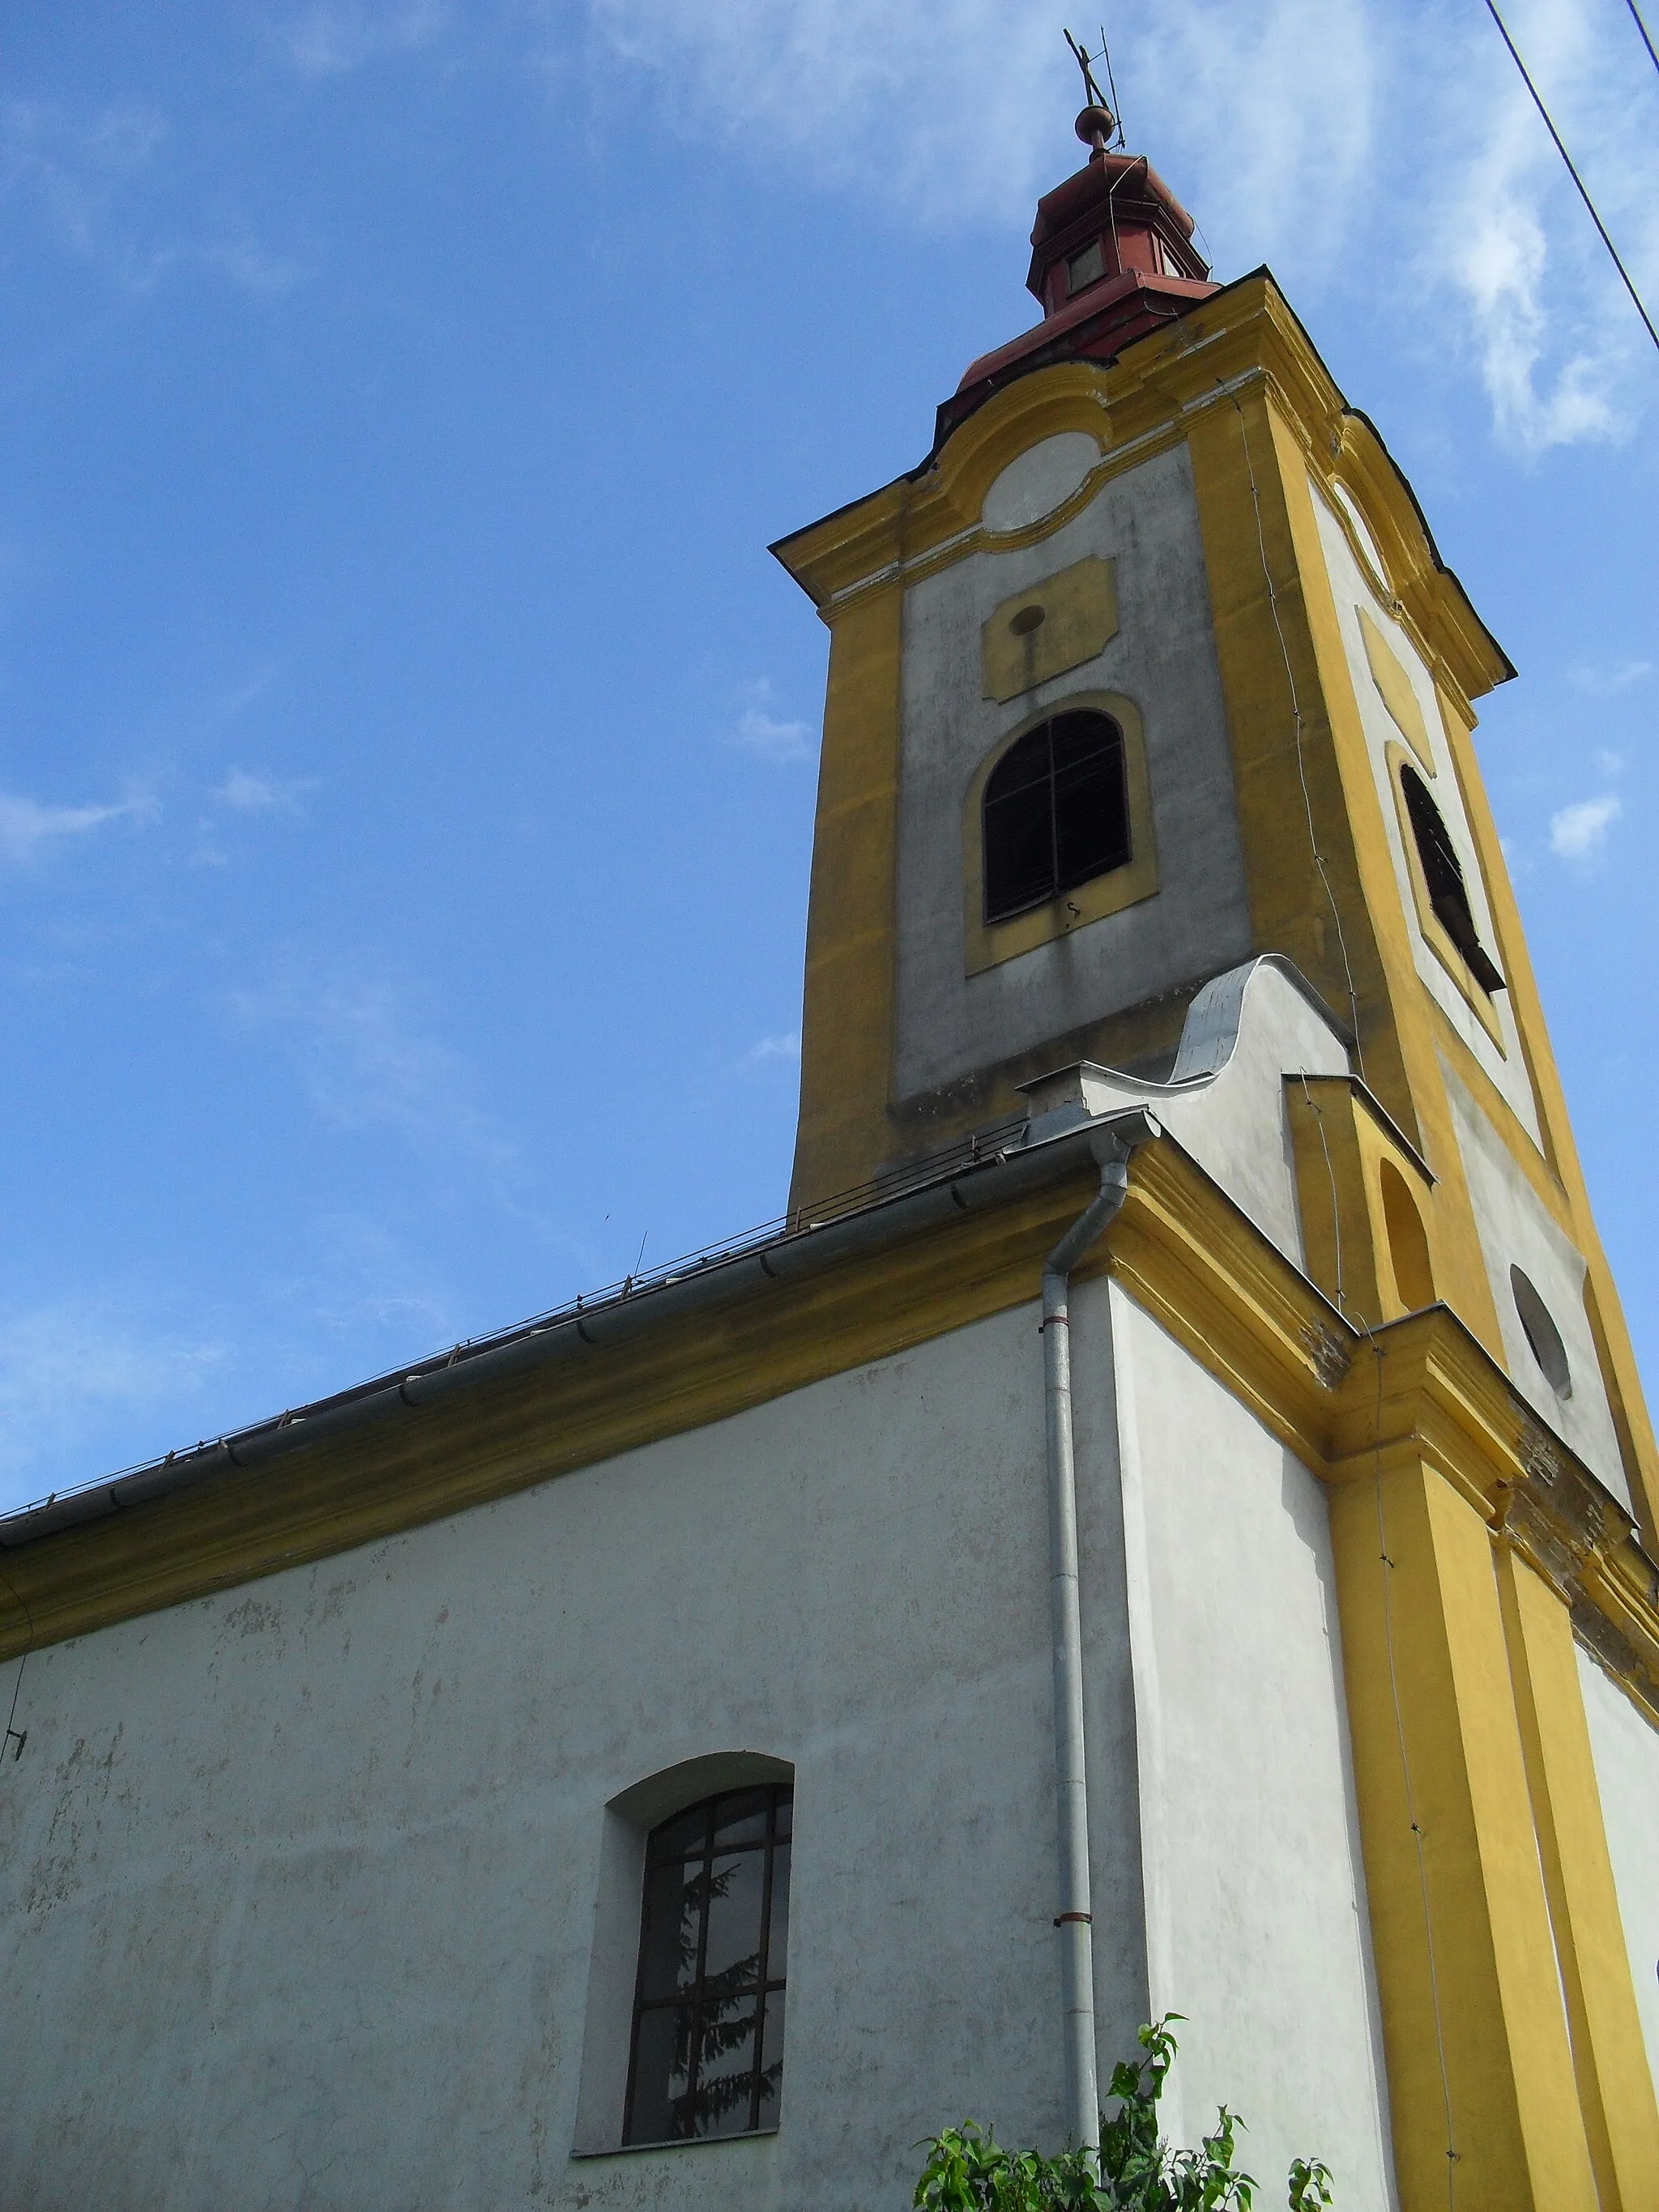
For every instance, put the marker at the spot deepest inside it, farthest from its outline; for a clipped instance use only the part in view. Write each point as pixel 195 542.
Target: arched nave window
pixel 706 2056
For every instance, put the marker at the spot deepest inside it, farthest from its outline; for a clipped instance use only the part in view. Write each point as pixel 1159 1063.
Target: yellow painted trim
pixel 846 1018
pixel 1433 931
pixel 1617 1356
pixel 1479 2064
pixel 1340 1148
pixel 1393 687
pixel 987 944
pixel 1615 2087
pixel 1400 1019
pixel 1054 626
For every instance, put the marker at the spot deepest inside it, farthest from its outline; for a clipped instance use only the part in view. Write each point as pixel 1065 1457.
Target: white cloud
pixel 336 36
pixel 772 736
pixel 1579 832
pixel 785 1046
pixel 65 1367
pixel 367 1062
pixel 1266 122
pixel 29 829
pixel 1610 764
pixel 81 171
pixel 72 166
pixel 262 794
pixel 1608 682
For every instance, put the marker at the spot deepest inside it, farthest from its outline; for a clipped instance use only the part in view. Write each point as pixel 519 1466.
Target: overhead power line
pixel 1560 148
pixel 1636 17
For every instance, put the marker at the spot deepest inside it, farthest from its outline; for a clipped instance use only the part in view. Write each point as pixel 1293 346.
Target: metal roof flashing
pixel 704 1281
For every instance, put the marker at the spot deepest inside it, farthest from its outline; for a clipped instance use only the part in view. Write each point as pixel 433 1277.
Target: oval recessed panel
pixel 1041 480
pixel 1542 1334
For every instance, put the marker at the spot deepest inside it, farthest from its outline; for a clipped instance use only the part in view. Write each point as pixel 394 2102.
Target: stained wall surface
pixel 1626 1753
pixel 1163 658
pixel 299 1882
pixel 1257 1924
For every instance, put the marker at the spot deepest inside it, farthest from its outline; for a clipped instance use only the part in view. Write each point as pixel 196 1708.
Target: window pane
pixel 1027 763
pixel 662 2050
pixel 668 1938
pixel 785 1811
pixel 777 1951
pixel 720 2104
pixel 732 1955
pixel 686 1831
pixel 1091 824
pixel 771 2061
pixel 741 1818
pixel 1019 851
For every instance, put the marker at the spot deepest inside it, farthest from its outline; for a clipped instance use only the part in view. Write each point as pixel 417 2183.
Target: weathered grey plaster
pixel 950 1025
pixel 1627 1753
pixel 1515 1230
pixel 1256 1895
pixel 1352 590
pixel 299 1884
pixel 1039 480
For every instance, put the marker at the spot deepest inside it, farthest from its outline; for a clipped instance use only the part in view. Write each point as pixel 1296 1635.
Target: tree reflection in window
pixel 708 2047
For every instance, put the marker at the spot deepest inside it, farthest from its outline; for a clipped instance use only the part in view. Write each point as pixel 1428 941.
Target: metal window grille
pixel 707 2055
pixel 1056 813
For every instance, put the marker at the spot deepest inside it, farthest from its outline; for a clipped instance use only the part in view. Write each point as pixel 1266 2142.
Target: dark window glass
pixel 1443 872
pixel 1056 813
pixel 1085 267
pixel 707 2049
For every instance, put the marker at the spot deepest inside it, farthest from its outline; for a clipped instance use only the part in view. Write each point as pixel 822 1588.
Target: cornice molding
pixel 1349 1404
pixel 1137 406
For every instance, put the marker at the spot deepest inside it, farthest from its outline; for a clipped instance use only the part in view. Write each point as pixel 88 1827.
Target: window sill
pixel 680 2143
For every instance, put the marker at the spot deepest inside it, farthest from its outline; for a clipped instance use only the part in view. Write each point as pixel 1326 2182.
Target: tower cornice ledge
pixel 1134 406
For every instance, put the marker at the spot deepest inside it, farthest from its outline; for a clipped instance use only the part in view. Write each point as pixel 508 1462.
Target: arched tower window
pixel 706 2056
pixel 1056 813
pixel 1443 872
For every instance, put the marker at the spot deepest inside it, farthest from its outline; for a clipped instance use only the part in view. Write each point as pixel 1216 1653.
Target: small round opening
pixel 1027 620
pixel 1541 1334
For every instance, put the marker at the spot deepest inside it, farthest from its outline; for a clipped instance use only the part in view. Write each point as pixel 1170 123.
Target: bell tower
pixel 1151 665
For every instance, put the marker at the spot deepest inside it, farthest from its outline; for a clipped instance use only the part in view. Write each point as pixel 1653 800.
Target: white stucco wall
pixel 949 1024
pixel 1257 1926
pixel 1352 590
pixel 299 1882
pixel 1518 1231
pixel 1627 1753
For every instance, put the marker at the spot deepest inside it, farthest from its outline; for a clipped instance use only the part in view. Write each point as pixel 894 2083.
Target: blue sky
pixel 407 744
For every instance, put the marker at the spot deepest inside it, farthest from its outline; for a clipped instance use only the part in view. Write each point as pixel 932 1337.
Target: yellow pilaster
pixel 846 1020
pixel 1480 2068
pixel 1615 2087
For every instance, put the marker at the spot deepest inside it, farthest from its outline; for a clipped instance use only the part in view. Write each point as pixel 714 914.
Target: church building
pixel 1167 1522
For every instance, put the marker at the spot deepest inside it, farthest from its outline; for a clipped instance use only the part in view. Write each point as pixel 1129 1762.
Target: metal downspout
pixel 1071 1773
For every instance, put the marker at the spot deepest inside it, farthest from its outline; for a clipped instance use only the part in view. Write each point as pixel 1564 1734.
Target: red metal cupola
pixel 1112 257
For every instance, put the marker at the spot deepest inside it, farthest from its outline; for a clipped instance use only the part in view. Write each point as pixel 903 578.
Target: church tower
pixel 1150 675
pixel 1166 1526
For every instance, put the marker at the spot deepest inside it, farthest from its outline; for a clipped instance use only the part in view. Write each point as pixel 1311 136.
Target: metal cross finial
pixel 1091 92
